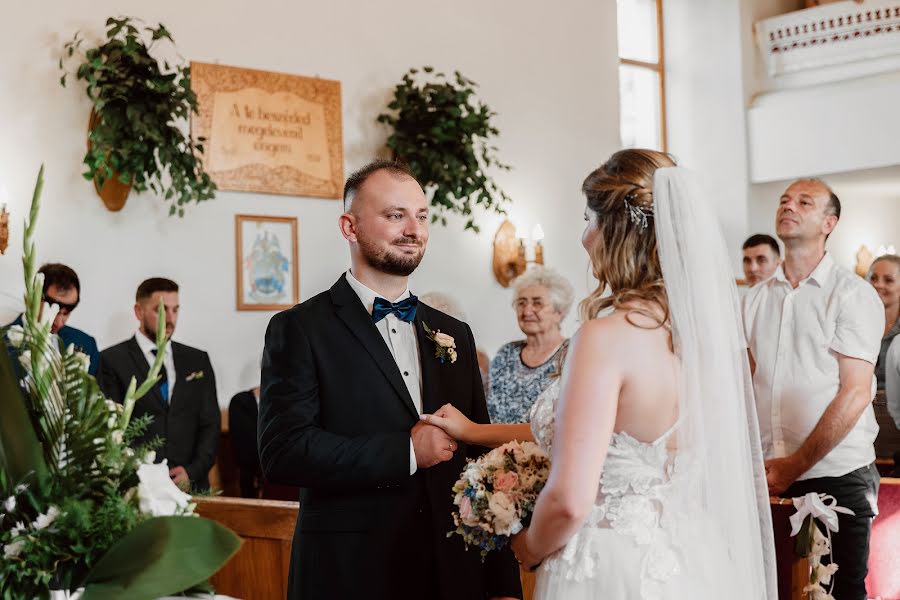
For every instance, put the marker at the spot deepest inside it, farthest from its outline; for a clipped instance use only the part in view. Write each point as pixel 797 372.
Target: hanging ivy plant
pixel 443 133
pixel 139 132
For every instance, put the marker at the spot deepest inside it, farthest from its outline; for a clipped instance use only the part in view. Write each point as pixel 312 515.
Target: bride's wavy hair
pixel 624 253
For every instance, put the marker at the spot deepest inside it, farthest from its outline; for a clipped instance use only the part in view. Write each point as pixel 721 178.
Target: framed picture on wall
pixel 266 257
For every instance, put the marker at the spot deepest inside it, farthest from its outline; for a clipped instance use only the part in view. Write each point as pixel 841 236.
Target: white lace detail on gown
pixel 635 484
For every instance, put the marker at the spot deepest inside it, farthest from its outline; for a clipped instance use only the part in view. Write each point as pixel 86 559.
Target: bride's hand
pixel 519 546
pixel 456 424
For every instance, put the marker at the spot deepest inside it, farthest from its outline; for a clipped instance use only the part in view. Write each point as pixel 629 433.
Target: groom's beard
pixel 390 262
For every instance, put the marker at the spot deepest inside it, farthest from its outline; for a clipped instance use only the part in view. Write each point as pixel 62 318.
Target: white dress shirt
pixel 147 347
pixel 401 340
pixel 892 380
pixel 795 336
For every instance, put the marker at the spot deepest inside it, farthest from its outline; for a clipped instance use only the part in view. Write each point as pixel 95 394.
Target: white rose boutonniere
pixel 444 345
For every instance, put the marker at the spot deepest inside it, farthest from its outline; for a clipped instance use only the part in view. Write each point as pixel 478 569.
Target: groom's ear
pixel 347 225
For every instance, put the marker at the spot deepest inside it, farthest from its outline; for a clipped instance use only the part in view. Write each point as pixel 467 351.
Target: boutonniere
pixel 444 345
pixel 194 375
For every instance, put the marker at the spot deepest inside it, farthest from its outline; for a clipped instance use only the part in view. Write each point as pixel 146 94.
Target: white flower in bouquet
pixel 16 335
pixel 13 549
pixel 19 528
pixel 44 520
pixel 505 518
pixel 48 314
pixel 157 493
pixel 9 504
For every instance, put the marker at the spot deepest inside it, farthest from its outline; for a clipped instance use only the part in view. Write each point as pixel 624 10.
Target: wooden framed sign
pixel 269 132
pixel 266 257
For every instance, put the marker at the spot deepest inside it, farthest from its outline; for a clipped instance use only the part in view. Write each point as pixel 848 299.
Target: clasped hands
pixel 435 437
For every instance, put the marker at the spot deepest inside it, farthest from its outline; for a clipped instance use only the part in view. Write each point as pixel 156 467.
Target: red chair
pixel 883 582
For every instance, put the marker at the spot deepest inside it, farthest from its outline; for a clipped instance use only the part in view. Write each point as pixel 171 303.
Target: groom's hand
pixel 431 444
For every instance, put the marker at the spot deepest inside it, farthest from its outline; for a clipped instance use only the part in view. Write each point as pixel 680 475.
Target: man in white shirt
pixel 345 378
pixel 814 332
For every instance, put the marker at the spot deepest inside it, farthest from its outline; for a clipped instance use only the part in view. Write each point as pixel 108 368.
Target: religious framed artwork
pixel 266 262
pixel 269 132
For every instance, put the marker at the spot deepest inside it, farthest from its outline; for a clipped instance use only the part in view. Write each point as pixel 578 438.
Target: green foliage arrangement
pixel 443 133
pixel 79 508
pixel 140 114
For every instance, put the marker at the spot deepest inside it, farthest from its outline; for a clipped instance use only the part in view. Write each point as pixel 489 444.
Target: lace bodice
pixel 636 481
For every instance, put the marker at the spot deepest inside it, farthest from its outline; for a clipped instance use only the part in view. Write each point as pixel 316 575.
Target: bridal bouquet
pixel 496 494
pixel 81 510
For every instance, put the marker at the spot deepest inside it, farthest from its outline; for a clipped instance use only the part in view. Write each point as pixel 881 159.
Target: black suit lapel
pixel 182 370
pixel 351 311
pixel 428 362
pixel 141 368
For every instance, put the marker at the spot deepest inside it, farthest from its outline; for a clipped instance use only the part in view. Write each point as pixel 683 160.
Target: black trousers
pixel 858 491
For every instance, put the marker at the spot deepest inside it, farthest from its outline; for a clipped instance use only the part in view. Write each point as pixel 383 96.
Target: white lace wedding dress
pixel 636 544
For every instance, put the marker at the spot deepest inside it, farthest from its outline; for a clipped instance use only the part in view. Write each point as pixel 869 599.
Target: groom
pixel 345 376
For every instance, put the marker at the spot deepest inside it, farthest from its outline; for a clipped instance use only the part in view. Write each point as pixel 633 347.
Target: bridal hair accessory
pixel 638 214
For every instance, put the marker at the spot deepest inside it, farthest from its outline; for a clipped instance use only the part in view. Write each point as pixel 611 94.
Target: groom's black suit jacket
pixel 335 419
pixel 189 424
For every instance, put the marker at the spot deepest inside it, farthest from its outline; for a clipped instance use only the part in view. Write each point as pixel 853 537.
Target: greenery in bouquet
pixel 496 493
pixel 80 507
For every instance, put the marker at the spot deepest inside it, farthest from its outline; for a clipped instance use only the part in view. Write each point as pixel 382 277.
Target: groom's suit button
pixel 406 373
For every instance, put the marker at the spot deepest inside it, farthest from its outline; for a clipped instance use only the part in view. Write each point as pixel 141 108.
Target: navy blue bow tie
pixel 405 309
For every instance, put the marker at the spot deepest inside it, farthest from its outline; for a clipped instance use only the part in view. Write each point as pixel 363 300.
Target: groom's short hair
pixel 358 178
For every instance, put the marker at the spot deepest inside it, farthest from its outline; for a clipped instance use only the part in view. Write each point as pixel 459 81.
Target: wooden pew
pixel 259 571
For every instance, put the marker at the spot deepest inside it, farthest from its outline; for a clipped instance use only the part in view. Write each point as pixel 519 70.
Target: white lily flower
pixel 157 493
pixel 9 504
pixel 19 528
pixel 14 549
pixel 16 335
pixel 45 520
pixel 48 313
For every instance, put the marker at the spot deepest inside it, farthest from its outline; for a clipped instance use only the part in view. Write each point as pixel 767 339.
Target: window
pixel 642 98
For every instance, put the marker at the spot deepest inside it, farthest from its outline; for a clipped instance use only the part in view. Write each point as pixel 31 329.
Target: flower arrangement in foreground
pixel 812 543
pixel 80 508
pixel 496 494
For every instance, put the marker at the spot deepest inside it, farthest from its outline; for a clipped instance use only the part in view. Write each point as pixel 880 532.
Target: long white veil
pixel 718 436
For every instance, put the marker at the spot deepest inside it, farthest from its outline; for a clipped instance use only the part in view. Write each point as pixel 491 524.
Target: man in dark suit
pixel 183 404
pixel 345 376
pixel 62 288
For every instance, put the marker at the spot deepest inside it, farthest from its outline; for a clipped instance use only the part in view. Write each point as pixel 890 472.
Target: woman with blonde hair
pixel 657 486
pixel 884 275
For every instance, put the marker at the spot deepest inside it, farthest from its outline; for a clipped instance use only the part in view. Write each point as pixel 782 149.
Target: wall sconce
pixel 864 257
pixel 4 229
pixel 510 259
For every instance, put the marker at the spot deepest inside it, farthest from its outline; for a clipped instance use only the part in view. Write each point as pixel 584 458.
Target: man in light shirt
pixel 345 378
pixel 814 332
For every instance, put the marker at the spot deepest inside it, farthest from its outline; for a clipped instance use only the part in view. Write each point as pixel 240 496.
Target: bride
pixel 657 487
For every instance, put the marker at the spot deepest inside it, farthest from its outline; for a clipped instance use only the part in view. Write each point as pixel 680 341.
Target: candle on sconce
pixel 537 235
pixel 4 228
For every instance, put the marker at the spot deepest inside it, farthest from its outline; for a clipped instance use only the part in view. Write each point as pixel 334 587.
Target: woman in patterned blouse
pixel 521 369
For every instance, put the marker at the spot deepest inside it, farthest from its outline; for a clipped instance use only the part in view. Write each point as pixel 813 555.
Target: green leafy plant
pixel 443 133
pixel 75 498
pixel 140 110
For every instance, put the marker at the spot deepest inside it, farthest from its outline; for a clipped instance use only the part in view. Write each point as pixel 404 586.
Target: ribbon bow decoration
pixel 819 506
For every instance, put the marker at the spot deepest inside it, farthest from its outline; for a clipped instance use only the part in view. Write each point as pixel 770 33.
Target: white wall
pixel 705 96
pixel 870 211
pixel 549 73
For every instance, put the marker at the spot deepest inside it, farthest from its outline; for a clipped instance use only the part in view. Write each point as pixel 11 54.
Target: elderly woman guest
pixel 884 275
pixel 522 369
